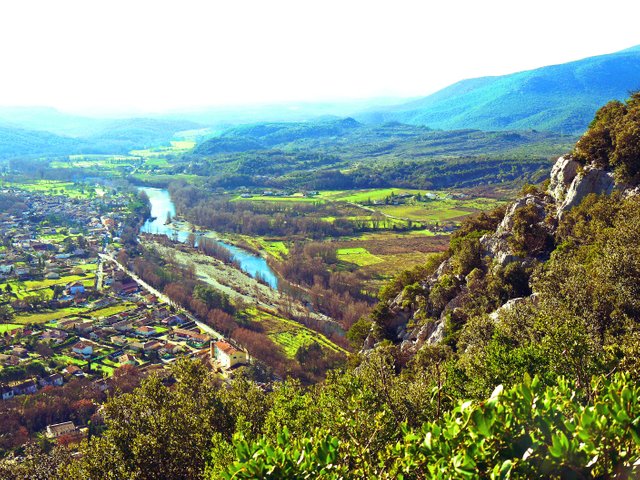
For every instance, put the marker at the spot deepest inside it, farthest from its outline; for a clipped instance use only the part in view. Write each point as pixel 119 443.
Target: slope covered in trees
pixel 344 154
pixel 560 98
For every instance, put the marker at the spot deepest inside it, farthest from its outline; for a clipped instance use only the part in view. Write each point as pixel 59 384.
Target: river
pixel 162 206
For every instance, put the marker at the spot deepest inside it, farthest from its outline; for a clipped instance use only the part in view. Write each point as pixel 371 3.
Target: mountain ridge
pixel 561 98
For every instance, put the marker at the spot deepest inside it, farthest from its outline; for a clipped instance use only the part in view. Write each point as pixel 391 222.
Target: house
pixel 227 355
pixel 9 360
pixel 69 324
pixel 6 393
pixel 20 351
pixel 83 349
pixel 84 327
pixel 151 345
pixel 118 340
pixel 23 273
pixel 129 288
pixel 55 380
pixel 55 336
pixel 161 313
pixel 26 388
pixel 75 288
pixel 170 348
pixel 127 359
pixel 138 346
pixel 174 320
pixel 123 325
pixel 73 370
pixel 52 276
pixel 145 331
pixel 190 336
pixel 58 429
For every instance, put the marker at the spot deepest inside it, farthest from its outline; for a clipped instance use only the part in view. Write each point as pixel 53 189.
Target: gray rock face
pixel 562 174
pixel 592 180
pixel 497 244
pixel 568 186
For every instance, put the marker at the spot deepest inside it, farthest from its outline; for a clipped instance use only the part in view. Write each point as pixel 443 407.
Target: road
pixel 162 297
pixel 100 276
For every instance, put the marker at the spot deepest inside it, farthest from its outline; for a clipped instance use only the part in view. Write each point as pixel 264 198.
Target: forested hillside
pixel 560 98
pixel 344 154
pixel 47 133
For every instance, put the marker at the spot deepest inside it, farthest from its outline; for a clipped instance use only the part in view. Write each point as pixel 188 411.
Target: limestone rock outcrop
pixel 570 183
pixel 562 174
pixel 591 180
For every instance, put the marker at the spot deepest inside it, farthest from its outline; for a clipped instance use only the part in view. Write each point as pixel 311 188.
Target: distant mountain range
pixel 560 98
pixel 27 131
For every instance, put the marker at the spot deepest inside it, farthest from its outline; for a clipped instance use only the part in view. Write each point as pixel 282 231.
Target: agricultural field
pixel 358 255
pixel 115 165
pixel 47 316
pixel 112 310
pixel 367 195
pixel 54 187
pixel 297 198
pixel 288 334
pixel 28 287
pixel 9 327
pixel 175 147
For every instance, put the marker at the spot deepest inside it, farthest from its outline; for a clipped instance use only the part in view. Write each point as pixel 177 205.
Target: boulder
pixel 562 174
pixel 591 180
pixel 496 244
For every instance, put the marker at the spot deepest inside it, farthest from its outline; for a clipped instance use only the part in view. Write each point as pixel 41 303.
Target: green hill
pixel 15 142
pixel 561 98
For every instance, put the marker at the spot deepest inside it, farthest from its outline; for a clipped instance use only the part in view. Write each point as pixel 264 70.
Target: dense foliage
pixel 343 154
pixel 613 140
pixel 528 431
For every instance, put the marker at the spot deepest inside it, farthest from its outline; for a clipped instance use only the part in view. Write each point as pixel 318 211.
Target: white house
pixel 58 429
pixel 83 349
pixel 226 355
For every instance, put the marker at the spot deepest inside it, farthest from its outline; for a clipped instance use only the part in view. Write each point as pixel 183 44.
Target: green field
pixel 177 146
pixel 54 187
pixel 294 199
pixel 67 360
pixel 28 287
pixel 44 317
pixel 288 334
pixel 111 310
pixel 359 256
pixel 276 249
pixel 8 327
pixel 439 212
pixel 363 196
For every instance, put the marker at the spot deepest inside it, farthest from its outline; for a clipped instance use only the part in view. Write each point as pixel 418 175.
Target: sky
pixel 155 56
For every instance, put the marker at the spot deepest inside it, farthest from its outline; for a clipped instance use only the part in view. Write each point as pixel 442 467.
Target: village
pixel 68 312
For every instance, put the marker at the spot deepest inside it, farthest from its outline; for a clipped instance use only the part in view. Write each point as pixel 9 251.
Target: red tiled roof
pixel 226 348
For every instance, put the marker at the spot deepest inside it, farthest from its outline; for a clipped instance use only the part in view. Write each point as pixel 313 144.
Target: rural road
pixel 162 297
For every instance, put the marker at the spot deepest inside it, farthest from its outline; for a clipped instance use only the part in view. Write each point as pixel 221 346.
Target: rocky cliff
pixel 522 239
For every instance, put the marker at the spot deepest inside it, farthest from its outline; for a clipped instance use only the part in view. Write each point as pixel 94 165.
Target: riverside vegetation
pixel 512 355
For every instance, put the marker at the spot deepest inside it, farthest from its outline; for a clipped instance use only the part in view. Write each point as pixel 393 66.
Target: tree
pixel 6 313
pixel 156 432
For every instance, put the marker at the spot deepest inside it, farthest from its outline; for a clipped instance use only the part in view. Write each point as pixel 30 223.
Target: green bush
pixel 528 431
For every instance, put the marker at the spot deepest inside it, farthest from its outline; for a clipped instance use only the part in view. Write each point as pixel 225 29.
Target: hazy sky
pixel 156 55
